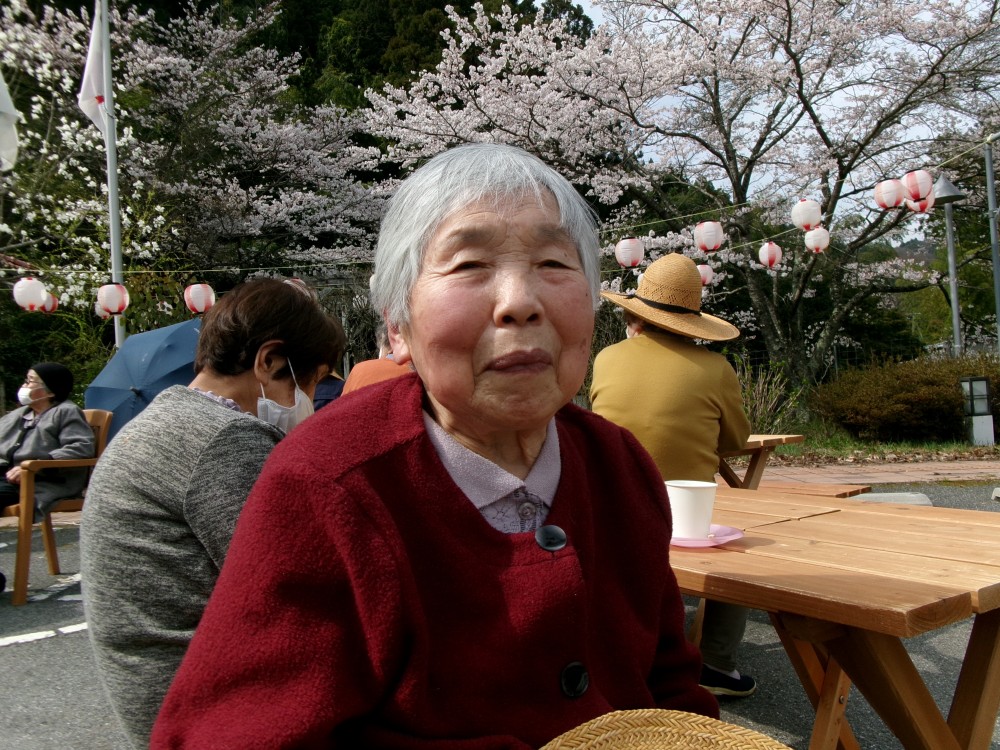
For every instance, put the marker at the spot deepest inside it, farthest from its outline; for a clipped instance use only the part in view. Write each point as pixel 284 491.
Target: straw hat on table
pixel 669 297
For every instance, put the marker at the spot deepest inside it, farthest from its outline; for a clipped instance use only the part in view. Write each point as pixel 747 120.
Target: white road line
pixel 15 640
pixel 64 583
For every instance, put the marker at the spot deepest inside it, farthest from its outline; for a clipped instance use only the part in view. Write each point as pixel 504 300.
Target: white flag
pixel 8 128
pixel 92 89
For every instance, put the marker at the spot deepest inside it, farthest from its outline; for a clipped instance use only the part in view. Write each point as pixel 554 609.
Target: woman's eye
pixel 467 265
pixel 553 263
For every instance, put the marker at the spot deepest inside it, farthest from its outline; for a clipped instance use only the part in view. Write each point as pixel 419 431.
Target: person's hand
pixel 14 475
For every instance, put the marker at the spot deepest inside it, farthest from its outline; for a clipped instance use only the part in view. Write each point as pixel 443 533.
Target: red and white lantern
pixel 100 312
pixel 917 185
pixel 629 252
pixel 708 236
pixel 806 214
pixel 770 254
pixel 113 298
pixel 922 206
pixel 818 239
pixel 889 194
pixel 199 297
pixel 30 294
pixel 51 303
pixel 706 272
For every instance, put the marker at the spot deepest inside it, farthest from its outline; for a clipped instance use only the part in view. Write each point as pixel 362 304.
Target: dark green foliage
pixel 916 400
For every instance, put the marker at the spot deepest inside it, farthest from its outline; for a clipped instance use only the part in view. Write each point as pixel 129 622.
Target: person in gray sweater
pixel 46 426
pixel 164 498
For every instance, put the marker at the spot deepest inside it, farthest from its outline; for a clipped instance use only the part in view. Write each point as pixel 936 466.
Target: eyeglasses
pixel 36 383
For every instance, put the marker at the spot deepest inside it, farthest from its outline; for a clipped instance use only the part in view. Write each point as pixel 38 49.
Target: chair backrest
pixel 100 422
pixel 660 729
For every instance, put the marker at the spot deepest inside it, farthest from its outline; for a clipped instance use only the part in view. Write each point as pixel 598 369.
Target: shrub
pixel 916 400
pixel 768 397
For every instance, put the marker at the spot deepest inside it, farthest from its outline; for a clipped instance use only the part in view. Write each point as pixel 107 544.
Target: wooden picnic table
pixel 759 448
pixel 844 582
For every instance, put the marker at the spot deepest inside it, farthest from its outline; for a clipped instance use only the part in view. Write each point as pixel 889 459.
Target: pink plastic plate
pixel 718 535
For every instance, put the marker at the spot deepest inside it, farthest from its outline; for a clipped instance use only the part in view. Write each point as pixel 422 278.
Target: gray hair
pixel 453 180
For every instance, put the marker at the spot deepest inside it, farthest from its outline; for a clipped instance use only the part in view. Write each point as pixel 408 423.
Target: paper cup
pixel 691 506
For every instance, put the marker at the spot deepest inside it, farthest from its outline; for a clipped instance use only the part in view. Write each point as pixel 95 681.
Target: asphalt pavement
pixel 50 697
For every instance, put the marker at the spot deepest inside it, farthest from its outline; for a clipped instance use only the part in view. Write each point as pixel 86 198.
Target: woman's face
pixel 38 389
pixel 500 318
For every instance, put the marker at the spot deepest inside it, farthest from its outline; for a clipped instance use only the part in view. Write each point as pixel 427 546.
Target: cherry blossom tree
pixel 756 102
pixel 219 169
pixel 253 178
pixel 53 213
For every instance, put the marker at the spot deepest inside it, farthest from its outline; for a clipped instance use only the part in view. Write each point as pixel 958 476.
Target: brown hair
pixel 263 310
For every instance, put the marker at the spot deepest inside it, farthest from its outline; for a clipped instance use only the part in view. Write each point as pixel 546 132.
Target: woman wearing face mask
pixel 46 426
pixel 165 496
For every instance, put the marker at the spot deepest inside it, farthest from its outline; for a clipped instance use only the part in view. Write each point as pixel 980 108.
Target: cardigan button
pixel 550 538
pixel 574 680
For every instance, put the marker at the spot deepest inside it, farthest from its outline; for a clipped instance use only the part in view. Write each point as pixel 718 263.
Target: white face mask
pixel 24 396
pixel 284 417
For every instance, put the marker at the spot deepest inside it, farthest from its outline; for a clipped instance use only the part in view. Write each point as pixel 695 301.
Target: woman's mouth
pixel 522 361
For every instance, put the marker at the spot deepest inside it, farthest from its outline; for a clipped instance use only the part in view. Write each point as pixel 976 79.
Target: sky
pixel 595 14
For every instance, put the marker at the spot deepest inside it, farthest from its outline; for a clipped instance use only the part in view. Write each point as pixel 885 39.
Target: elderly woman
pixel 471 562
pixel 164 498
pixel 46 425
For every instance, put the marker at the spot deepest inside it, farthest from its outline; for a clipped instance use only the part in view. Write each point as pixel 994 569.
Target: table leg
pixel 731 477
pixel 884 673
pixel 977 695
pixel 694 633
pixel 755 469
pixel 826 686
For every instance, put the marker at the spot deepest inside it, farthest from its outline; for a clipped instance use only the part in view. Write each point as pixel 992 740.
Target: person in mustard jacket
pixel 683 403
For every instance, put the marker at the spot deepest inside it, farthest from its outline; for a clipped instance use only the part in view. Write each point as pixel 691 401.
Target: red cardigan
pixel 365 603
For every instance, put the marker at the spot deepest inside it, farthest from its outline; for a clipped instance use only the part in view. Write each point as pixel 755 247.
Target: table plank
pixel 798 499
pixel 981 579
pixel 813 488
pixel 956 541
pixel 881 603
pixel 779 507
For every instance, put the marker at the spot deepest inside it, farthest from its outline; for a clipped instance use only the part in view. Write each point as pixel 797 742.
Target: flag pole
pixel 111 147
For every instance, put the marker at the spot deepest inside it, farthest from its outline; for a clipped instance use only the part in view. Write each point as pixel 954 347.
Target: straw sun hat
pixel 669 296
pixel 660 729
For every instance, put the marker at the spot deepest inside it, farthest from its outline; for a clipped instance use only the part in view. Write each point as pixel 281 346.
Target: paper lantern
pixel 917 185
pixel 708 236
pixel 889 194
pixel 922 206
pixel 100 312
pixel 199 297
pixel 629 252
pixel 30 293
pixel 770 254
pixel 707 274
pixel 51 303
pixel 818 239
pixel 806 214
pixel 113 298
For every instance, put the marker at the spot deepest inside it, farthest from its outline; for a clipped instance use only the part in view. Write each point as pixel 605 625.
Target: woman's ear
pixel 269 361
pixel 397 340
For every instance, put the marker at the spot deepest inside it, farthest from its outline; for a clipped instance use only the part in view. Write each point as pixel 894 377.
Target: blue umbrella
pixel 145 364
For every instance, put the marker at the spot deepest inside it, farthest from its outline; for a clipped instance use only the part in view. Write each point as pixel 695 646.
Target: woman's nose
pixel 518 301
